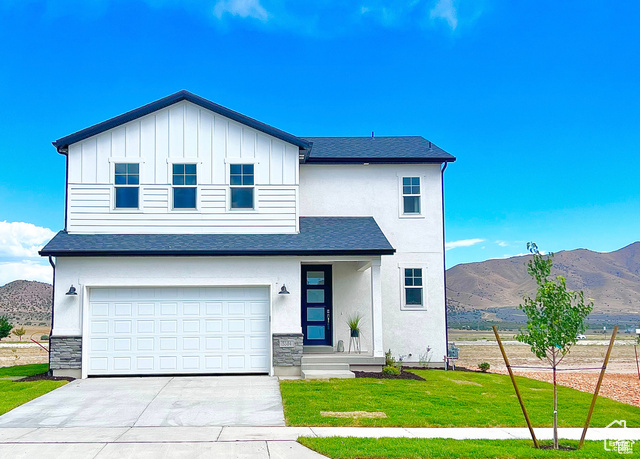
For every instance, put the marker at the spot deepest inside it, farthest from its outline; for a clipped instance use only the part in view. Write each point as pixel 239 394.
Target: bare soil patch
pixel 621 381
pixel 353 414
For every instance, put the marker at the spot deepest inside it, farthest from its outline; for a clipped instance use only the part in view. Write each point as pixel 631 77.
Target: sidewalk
pixel 238 442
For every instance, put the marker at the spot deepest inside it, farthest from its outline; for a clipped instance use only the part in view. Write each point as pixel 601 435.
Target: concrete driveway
pixel 155 402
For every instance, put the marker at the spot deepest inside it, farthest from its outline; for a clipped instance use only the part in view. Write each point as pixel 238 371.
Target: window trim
pixel 403 295
pixel 253 187
pixel 173 187
pixel 401 195
pixel 114 186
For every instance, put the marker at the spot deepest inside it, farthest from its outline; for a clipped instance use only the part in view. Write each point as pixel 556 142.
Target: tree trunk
pixel 555 404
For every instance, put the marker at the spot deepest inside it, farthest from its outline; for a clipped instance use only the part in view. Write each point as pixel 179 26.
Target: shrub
pixel 390 361
pixel 391 370
pixel 484 366
pixel 44 338
pixel 5 327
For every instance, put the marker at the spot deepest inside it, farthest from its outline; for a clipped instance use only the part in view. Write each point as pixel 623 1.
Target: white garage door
pixel 178 330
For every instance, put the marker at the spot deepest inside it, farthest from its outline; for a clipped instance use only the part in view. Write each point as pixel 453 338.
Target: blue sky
pixel 539 101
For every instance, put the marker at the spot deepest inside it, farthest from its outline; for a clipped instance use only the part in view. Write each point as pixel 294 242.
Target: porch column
pixel 376 309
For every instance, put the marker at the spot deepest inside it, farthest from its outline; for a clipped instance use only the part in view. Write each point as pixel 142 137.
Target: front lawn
pixel 13 393
pixel 341 447
pixel 445 399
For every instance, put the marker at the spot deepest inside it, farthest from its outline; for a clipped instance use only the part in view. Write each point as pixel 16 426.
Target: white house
pixel 200 241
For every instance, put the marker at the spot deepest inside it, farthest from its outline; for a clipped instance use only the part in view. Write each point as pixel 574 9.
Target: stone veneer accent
pixel 287 356
pixel 65 352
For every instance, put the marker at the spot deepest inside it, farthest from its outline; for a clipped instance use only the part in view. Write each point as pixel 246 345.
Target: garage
pixel 194 330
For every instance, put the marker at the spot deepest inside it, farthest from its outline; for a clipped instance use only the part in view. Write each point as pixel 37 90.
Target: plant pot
pixel 355 333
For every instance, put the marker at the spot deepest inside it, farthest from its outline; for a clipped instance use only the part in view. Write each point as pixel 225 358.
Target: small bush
pixel 391 370
pixel 484 366
pixel 44 338
pixel 390 361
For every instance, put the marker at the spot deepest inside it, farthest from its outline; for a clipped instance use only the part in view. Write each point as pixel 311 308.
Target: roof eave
pixel 317 160
pixel 214 253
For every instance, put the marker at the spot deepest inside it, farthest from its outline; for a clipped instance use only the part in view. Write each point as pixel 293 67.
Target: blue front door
pixel 316 304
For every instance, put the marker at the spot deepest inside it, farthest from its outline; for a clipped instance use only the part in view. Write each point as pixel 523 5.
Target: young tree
pixel 19 332
pixel 5 327
pixel 555 318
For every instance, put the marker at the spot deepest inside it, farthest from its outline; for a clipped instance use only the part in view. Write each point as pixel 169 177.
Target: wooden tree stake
pixel 515 386
pixel 595 394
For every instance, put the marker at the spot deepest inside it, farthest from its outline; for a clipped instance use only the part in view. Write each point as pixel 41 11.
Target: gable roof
pixel 317 236
pixel 64 142
pixel 407 149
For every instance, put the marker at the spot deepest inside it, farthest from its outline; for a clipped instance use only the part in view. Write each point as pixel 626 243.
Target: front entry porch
pixel 331 293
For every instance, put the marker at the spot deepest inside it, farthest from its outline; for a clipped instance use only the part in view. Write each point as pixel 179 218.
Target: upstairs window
pixel 184 189
pixel 127 181
pixel 413 287
pixel 411 195
pixel 241 181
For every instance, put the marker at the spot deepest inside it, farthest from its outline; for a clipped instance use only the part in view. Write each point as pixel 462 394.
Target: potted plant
pixel 354 324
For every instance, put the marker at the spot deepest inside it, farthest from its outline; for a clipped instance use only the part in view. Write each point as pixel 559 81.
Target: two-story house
pixel 198 240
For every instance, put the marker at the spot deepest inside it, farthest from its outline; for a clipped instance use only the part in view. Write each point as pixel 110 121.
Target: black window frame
pixel 126 177
pixel 184 179
pixel 241 181
pixel 413 280
pixel 411 192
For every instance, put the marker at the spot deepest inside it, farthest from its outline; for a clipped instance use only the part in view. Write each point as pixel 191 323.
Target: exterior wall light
pixel 72 291
pixel 283 290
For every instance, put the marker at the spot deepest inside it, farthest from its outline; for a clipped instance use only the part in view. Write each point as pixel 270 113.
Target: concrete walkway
pixel 237 442
pixel 155 402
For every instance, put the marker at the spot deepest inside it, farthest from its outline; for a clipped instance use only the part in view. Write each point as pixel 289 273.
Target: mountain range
pixel 490 291
pixel 26 302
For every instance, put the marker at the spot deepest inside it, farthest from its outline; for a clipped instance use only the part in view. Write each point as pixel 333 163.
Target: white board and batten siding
pixel 189 133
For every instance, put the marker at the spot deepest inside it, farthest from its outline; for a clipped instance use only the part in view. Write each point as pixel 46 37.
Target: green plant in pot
pixel 354 324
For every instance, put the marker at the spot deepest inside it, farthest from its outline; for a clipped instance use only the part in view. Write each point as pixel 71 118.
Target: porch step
pixel 325 366
pixel 351 359
pixel 326 374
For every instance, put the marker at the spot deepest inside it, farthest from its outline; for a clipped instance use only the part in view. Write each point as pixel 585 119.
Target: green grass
pixel 13 394
pixel 340 447
pixel 445 399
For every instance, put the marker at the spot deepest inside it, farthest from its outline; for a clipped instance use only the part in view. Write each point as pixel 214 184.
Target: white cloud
pixel 241 8
pixel 25 270
pixel 445 10
pixel 462 243
pixel 22 240
pixel 502 243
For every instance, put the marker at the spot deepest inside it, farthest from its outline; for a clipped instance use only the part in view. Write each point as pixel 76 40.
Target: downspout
pixel 53 298
pixel 444 265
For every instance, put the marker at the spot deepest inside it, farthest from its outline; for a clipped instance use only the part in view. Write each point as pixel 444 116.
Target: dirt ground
pixel 621 381
pixel 24 352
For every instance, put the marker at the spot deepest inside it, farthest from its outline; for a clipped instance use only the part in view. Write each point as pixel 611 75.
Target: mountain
pixel 490 291
pixel 26 302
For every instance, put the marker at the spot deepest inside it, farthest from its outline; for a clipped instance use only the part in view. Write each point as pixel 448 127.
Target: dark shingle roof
pixel 409 149
pixel 317 236
pixel 64 142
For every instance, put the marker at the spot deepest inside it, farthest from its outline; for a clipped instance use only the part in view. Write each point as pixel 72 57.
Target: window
pixel 127 179
pixel 413 287
pixel 241 180
pixel 184 190
pixel 411 195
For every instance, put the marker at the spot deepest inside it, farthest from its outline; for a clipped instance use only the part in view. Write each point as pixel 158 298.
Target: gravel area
pixel 623 388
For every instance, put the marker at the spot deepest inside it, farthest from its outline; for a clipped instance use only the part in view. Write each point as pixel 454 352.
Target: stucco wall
pixel 165 271
pixel 375 190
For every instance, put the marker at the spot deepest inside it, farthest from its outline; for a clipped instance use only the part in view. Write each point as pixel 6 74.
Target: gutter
pixel 53 298
pixel 211 253
pixel 444 265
